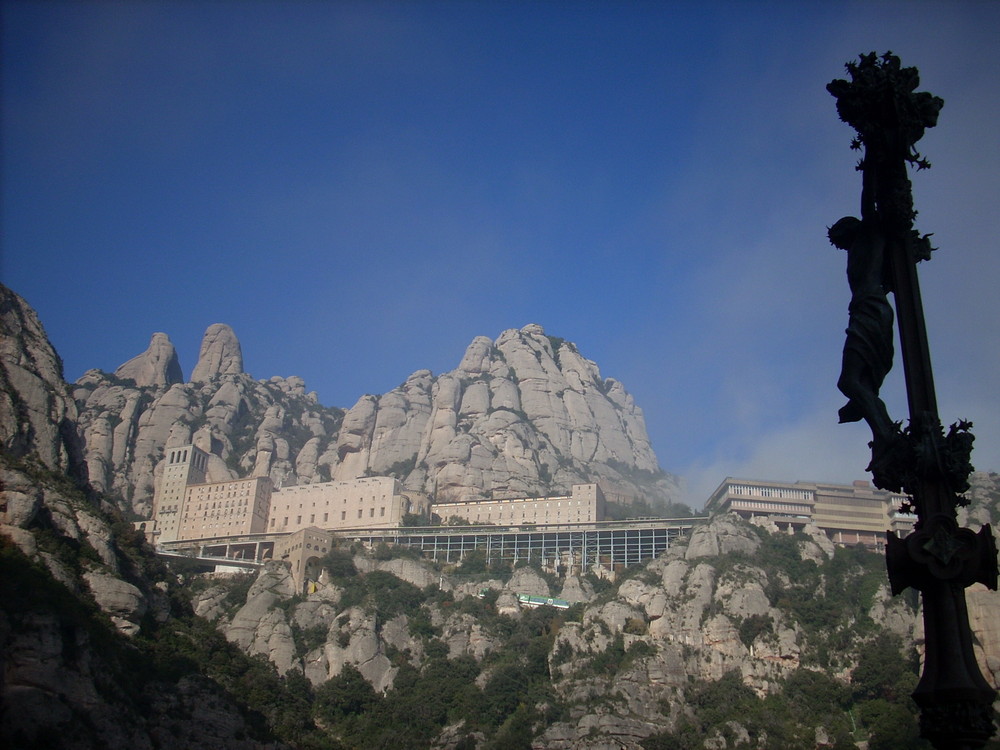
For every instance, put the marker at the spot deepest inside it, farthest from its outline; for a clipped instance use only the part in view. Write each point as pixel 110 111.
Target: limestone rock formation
pixel 60 690
pixel 158 366
pixel 725 535
pixel 356 641
pixel 37 415
pixel 248 427
pixel 220 354
pixel 528 581
pixel 123 602
pixel 63 675
pixel 259 628
pixel 524 414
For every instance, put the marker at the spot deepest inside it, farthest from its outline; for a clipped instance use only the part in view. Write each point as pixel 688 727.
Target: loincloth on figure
pixel 869 334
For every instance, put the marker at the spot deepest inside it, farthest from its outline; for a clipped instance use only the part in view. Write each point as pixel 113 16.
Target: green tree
pixel 883 672
pixel 890 726
pixel 516 732
pixel 339 563
pixel 347 694
pixel 413 519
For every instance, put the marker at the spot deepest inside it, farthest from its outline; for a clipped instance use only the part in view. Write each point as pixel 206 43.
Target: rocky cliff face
pixel 738 604
pixel 37 414
pixel 525 414
pixel 247 426
pixel 72 586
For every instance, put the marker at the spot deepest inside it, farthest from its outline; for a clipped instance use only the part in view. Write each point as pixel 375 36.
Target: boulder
pixel 220 354
pixel 725 534
pixel 158 366
pixel 576 589
pixel 120 600
pixel 353 639
pixel 527 580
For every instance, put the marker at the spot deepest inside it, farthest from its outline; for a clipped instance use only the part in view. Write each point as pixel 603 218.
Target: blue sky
pixel 360 188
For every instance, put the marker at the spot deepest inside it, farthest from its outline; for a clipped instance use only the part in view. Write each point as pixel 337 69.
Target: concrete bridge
pixel 233 562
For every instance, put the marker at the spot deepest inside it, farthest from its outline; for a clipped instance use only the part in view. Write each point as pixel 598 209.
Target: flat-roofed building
pixel 585 504
pixel 847 513
pixel 792 503
pixel 367 503
pixel 231 508
pixel 860 513
pixel 182 466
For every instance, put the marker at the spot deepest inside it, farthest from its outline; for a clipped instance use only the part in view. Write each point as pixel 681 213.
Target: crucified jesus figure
pixel 868 350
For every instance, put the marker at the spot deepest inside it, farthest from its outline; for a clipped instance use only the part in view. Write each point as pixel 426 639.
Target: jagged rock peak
pixel 157 366
pixel 220 354
pixel 526 413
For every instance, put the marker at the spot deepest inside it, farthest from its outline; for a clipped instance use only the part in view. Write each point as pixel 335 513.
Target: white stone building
pixel 367 503
pixel 585 504
pixel 232 508
pixel 181 466
pixel 847 513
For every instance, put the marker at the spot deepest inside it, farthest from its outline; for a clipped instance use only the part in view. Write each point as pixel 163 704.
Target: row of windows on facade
pixel 201 492
pixel 217 529
pixel 445 507
pixel 308 545
pixel 526 513
pixel 857 502
pixel 220 504
pixel 849 514
pixel 241 485
pixel 262 512
pixel 853 537
pixel 327 503
pixel 783 507
pixel 326 516
pixel 781 492
pixel 844 498
pixel 516 508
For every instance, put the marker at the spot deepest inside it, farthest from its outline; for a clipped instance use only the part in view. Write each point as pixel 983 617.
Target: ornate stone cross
pixel 938 558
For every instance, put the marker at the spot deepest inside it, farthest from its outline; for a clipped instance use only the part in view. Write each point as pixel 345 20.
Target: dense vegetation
pixel 498 700
pixel 443 692
pixel 875 706
pixel 128 671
